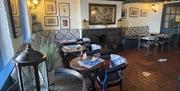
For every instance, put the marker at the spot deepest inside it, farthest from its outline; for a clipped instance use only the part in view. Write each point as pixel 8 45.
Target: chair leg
pixel 104 88
pixel 121 89
pixel 169 48
pixel 155 49
pixel 162 47
pixel 147 51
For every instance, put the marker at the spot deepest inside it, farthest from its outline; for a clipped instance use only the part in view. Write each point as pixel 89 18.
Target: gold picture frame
pixel 50 7
pixel 14 7
pixel 64 9
pixel 133 12
pixel 51 21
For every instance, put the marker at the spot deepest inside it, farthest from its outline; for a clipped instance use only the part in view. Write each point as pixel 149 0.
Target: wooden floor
pixel 163 75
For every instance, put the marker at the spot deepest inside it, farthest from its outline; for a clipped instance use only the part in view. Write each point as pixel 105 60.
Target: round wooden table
pixel 91 73
pixel 74 64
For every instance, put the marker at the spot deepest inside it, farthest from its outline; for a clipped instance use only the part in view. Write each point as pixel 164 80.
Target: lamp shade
pixel 31 69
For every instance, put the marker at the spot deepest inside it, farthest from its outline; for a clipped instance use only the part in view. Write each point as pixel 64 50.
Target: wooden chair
pixel 111 76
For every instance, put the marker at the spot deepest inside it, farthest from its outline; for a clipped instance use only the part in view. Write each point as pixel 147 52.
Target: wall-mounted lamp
pixel 154 7
pixel 85 24
pixel 119 20
pixel 32 4
pixel 85 21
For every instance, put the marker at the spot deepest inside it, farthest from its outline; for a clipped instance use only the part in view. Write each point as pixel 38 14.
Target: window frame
pixel 164 20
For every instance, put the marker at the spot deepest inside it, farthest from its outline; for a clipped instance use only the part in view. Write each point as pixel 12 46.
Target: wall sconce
pixel 119 20
pixel 154 7
pixel 85 24
pixel 32 4
pixel 85 21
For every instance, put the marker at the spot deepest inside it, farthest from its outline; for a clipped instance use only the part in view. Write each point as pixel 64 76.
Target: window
pixel 171 17
pixel 1 61
pixel 6 47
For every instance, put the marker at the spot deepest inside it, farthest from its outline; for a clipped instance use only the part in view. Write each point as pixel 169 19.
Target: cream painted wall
pixel 75 22
pixel 85 11
pixel 153 19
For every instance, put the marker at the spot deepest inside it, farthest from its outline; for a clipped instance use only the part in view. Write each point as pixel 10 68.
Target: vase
pixel 51 77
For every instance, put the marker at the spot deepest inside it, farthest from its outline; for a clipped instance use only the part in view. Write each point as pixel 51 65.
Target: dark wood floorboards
pixel 164 75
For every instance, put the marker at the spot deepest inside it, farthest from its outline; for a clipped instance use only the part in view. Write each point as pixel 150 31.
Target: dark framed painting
pixel 51 21
pixel 64 9
pixel 133 12
pixel 123 13
pixel 102 14
pixel 144 12
pixel 50 7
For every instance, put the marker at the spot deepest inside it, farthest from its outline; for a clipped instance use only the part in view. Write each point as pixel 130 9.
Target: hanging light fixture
pixel 154 7
pixel 31 70
pixel 32 4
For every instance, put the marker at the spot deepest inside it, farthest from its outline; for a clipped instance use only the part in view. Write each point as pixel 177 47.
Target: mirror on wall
pixel 13 11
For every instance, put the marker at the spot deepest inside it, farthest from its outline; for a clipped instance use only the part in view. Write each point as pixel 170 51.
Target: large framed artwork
pixel 50 7
pixel 51 21
pixel 102 14
pixel 134 12
pixel 65 23
pixel 64 9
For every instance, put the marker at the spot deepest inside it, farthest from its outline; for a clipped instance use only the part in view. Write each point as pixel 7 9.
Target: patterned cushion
pixel 67 34
pixel 136 31
pixel 58 35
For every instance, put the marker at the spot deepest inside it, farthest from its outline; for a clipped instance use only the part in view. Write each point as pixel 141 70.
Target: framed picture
pixel 51 21
pixel 18 32
pixel 50 7
pixel 123 13
pixel 144 12
pixel 14 7
pixel 102 14
pixel 65 23
pixel 16 21
pixel 64 9
pixel 134 12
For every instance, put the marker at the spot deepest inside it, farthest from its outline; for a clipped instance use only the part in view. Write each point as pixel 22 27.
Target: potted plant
pixel 51 49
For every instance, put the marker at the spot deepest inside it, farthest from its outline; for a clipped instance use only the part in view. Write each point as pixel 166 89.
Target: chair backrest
pixel 117 68
pixel 117 63
pixel 95 47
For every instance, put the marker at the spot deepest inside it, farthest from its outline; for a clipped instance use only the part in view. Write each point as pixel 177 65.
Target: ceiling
pixel 132 1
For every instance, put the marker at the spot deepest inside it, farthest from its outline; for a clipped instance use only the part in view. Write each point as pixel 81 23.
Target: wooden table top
pixel 74 64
